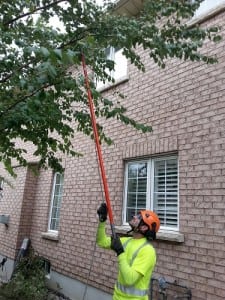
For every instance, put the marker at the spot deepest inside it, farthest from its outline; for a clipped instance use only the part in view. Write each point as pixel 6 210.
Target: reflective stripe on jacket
pixel 130 290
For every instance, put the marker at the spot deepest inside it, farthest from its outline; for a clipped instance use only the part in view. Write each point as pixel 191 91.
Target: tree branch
pixel 32 12
pixel 25 98
pixel 4 79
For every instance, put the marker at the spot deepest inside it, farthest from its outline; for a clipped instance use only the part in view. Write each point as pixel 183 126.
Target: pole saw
pixel 98 146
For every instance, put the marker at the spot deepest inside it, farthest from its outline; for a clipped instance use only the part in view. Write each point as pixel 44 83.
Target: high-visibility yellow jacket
pixel 135 266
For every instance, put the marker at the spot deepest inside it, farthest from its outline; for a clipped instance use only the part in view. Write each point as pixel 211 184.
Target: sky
pixel 54 21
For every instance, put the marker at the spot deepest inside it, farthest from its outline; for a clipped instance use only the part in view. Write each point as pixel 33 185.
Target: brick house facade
pixel 185 104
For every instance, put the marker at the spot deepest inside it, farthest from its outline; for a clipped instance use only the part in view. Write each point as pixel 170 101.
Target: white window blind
pixel 165 191
pixel 57 192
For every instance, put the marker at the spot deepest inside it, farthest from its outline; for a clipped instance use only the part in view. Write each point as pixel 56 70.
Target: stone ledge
pixel 110 85
pixel 163 235
pixel 50 236
pixel 171 236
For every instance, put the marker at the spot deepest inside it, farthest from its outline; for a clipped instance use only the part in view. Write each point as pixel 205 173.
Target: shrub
pixel 28 281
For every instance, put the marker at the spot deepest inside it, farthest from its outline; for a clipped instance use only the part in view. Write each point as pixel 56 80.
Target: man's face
pixel 135 221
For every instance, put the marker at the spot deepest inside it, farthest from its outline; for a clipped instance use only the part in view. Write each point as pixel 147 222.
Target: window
pixel 207 6
pixel 120 66
pixel 47 267
pixel 153 184
pixel 57 191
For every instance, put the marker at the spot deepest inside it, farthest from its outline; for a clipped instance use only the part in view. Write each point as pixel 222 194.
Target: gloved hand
pixel 102 212
pixel 116 245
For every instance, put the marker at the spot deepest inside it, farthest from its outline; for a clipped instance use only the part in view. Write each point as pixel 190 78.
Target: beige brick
pixel 185 104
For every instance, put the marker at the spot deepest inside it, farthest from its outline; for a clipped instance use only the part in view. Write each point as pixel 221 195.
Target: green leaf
pixel 58 53
pixel 52 70
pixel 43 94
pixel 44 51
pixel 217 38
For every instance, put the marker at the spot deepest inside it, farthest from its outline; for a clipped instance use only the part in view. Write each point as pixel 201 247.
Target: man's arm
pixel 102 239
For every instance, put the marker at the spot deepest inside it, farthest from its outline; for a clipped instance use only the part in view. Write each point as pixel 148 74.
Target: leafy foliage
pixel 28 281
pixel 42 97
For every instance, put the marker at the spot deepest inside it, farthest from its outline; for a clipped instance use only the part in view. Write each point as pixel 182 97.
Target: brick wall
pixel 17 203
pixel 26 215
pixel 185 104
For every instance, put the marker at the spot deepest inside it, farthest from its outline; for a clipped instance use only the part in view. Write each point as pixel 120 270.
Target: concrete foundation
pixel 75 289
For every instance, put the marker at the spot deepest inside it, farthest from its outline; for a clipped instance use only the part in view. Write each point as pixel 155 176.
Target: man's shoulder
pixel 147 250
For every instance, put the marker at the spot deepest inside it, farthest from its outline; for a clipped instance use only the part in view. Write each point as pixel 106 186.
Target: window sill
pixel 163 235
pixel 110 85
pixel 171 236
pixel 50 236
pixel 206 15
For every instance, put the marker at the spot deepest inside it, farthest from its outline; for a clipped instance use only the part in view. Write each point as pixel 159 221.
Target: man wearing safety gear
pixel 136 255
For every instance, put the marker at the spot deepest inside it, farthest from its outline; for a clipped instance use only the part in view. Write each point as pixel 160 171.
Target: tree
pixel 39 91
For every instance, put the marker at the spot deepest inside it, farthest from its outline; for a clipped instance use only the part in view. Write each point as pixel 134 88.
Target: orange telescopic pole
pixel 98 146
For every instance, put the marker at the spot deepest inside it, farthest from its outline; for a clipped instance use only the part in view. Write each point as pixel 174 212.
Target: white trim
pixel 178 194
pixel 125 194
pixel 109 85
pixel 150 187
pixel 207 6
pixel 100 86
pixel 50 235
pixel 51 231
pixel 162 235
pixel 204 15
pixel 151 181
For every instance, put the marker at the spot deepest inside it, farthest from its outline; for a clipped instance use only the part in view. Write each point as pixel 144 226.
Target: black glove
pixel 116 245
pixel 102 212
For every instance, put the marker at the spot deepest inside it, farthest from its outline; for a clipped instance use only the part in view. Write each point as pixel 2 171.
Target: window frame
pixel 150 187
pixel 55 231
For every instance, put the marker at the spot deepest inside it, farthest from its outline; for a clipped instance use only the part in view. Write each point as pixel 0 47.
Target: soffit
pixel 128 7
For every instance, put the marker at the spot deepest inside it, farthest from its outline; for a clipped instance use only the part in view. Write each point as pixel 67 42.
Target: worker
pixel 136 255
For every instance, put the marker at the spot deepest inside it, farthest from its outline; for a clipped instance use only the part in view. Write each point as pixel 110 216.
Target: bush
pixel 28 281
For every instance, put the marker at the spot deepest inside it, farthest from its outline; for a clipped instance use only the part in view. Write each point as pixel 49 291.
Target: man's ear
pixel 144 228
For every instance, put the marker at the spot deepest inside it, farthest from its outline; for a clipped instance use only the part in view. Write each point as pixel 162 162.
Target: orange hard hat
pixel 151 219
